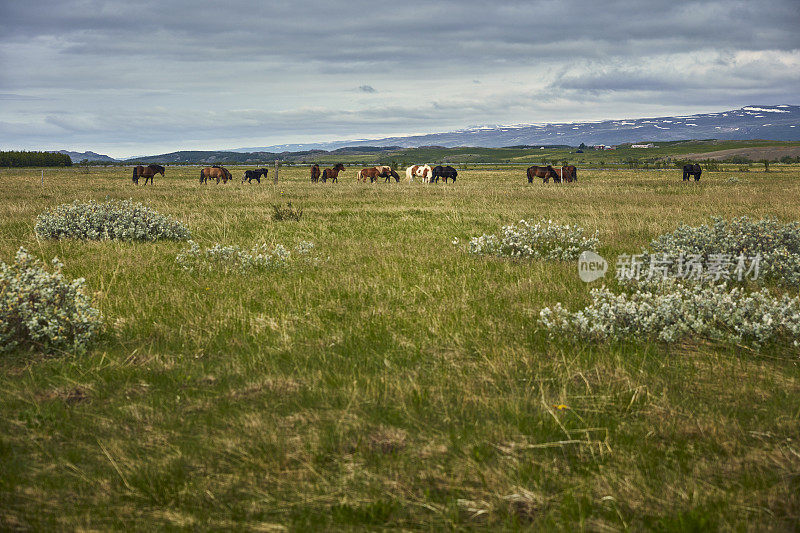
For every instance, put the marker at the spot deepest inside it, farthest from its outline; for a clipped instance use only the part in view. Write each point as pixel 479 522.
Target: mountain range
pixel 773 122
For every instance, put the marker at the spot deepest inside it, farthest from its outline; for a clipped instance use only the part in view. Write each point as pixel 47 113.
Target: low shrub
pixel 776 244
pixel 544 239
pixel 42 310
pixel 232 258
pixel 114 219
pixel 671 312
pixel 287 212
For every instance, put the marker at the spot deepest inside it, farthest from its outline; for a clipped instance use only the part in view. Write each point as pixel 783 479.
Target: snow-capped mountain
pixel 779 122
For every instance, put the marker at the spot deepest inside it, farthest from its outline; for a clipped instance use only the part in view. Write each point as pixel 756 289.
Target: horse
pixel 315 173
pixel 332 173
pixel 256 174
pixel 215 172
pixel 444 173
pixel 542 172
pixel 692 170
pixel 425 172
pixel 568 173
pixel 373 173
pixel 421 171
pixel 386 172
pixel 147 173
pixel 362 174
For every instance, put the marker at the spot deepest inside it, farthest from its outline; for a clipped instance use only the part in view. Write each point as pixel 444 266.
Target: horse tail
pixel 201 175
pixel 134 174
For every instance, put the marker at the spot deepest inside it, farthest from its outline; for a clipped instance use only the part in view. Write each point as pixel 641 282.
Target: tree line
pixel 34 159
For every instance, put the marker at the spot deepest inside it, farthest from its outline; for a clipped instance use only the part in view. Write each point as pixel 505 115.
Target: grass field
pixel 400 382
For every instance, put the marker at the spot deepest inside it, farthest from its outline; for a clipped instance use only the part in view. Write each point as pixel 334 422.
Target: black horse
pixel 692 170
pixel 256 174
pixel 444 173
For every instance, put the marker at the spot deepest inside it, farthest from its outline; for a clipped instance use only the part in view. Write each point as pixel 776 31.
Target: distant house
pixel 603 147
pixel 648 145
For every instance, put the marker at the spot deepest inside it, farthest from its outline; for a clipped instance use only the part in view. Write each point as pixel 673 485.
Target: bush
pixel 778 245
pixel 286 213
pixel 540 240
pixel 233 258
pixel 671 312
pixel 39 309
pixel 114 219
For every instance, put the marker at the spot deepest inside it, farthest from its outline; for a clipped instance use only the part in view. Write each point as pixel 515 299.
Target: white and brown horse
pixel 421 171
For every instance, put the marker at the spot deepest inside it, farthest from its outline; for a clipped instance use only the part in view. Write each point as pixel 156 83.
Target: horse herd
pixel 567 173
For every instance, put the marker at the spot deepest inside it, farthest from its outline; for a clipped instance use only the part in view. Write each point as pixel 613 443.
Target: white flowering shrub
pixel 725 242
pixel 40 309
pixel 544 239
pixel 114 219
pixel 232 258
pixel 671 311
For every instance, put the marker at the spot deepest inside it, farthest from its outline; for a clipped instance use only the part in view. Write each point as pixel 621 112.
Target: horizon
pixel 86 80
pixel 241 149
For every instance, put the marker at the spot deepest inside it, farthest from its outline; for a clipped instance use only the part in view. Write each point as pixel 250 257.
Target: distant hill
pixel 211 156
pixel 77 157
pixel 779 123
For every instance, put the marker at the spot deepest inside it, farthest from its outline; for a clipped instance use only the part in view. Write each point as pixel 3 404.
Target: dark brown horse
pixel 147 173
pixel 692 170
pixel 542 172
pixel 315 173
pixel 332 173
pixel 215 172
pixel 567 173
pixel 256 174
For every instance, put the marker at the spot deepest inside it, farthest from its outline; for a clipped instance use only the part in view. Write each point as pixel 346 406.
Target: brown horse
pixel 373 173
pixel 315 173
pixel 567 173
pixel 542 172
pixel 215 172
pixel 332 173
pixel 147 173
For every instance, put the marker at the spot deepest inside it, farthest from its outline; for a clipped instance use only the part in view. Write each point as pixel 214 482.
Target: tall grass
pixel 401 383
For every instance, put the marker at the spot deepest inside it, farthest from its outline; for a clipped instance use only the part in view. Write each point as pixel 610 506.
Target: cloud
pixel 85 70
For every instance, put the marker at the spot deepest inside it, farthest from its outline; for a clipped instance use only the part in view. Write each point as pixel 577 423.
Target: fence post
pixel 276 171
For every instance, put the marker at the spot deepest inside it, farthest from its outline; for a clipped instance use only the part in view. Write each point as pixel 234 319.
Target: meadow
pixel 394 382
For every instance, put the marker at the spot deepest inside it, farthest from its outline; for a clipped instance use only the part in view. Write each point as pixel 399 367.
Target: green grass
pixel 400 383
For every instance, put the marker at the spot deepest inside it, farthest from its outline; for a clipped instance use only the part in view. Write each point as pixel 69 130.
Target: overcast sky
pixel 137 77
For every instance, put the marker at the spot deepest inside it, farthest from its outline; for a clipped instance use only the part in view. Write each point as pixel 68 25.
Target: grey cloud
pixel 81 68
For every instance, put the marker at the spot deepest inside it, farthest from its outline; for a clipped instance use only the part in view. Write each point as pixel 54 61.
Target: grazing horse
pixel 421 171
pixel 315 173
pixel 373 173
pixel 542 172
pixel 444 173
pixel 387 173
pixel 147 173
pixel 692 170
pixel 568 173
pixel 256 174
pixel 332 173
pixel 215 172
